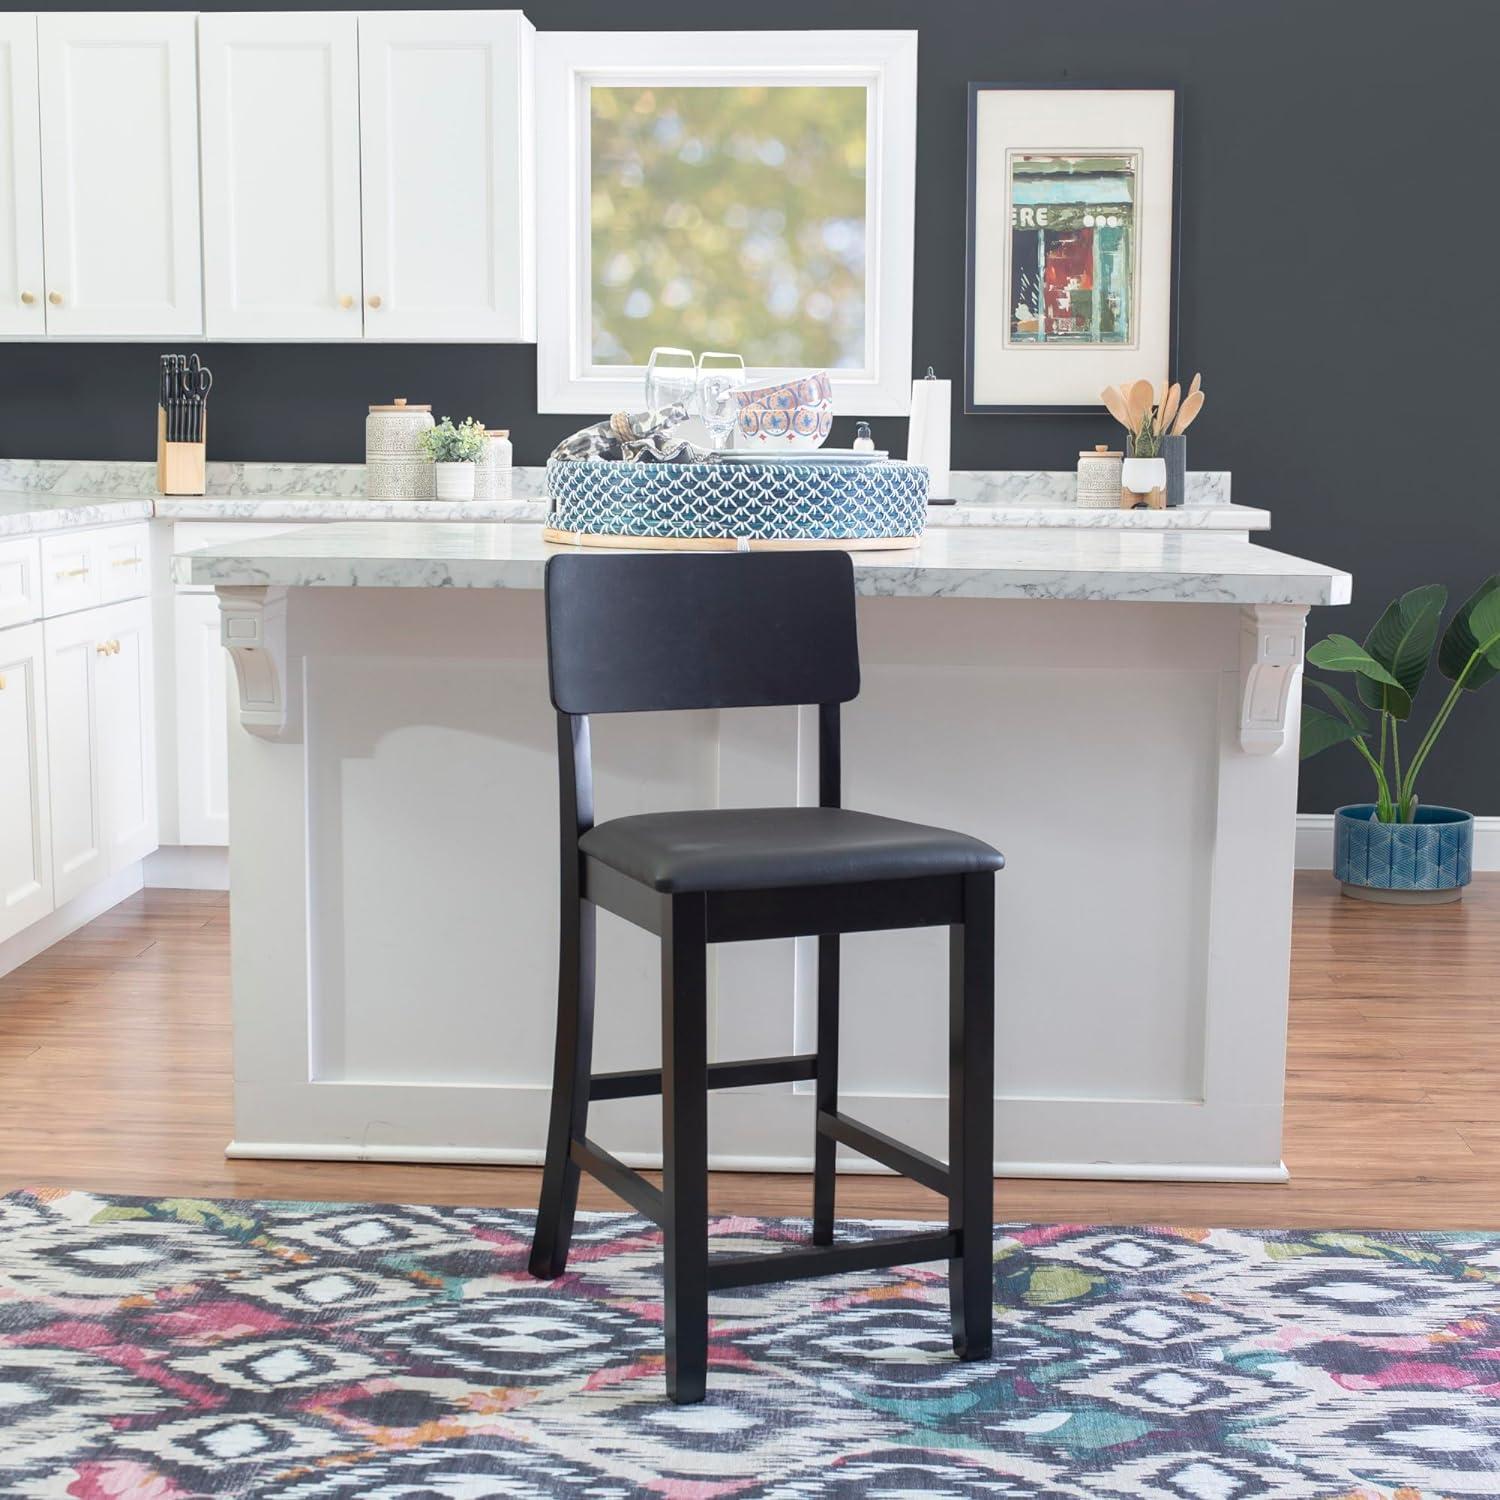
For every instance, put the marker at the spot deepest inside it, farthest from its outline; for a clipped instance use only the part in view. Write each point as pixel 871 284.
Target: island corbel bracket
pixel 1270 654
pixel 252 628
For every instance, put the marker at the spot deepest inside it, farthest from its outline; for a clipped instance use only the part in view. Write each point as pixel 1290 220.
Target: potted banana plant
pixel 1397 848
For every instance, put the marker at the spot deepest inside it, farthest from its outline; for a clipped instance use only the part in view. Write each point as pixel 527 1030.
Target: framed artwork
pixel 1072 244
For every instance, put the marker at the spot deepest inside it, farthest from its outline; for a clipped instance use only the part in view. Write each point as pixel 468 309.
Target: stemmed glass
pixel 671 378
pixel 720 375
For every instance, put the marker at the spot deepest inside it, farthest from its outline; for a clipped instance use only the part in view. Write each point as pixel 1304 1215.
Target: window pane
pixel 729 218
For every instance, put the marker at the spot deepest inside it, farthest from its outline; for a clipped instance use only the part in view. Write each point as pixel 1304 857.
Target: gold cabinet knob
pixel 102 648
pixel 28 298
pixel 55 298
pixel 346 301
pixel 374 301
pixel 2 682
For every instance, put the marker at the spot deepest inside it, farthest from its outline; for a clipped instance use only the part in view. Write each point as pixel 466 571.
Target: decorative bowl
pixel 714 506
pixel 794 416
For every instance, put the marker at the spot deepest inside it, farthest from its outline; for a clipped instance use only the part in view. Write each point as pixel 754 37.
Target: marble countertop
pixel 951 562
pixel 23 513
pixel 53 494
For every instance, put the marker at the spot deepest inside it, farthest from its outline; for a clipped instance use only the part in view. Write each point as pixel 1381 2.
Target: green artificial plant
pixel 447 444
pixel 1388 669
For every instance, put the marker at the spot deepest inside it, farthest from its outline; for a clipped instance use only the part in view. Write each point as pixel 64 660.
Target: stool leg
pixel 824 1146
pixel 684 1087
pixel 572 1065
pixel 971 1117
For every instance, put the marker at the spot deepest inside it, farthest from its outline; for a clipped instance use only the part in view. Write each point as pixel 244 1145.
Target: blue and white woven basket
pixel 882 504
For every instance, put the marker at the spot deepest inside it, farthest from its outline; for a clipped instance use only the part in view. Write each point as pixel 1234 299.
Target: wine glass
pixel 671 378
pixel 720 375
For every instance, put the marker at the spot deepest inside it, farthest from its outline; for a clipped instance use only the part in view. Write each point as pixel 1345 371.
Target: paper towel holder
pixel 928 440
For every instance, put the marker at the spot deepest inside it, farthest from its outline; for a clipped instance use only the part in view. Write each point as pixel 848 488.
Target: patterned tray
pixel 717 505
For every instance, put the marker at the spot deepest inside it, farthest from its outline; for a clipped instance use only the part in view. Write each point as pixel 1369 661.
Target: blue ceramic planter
pixel 1429 860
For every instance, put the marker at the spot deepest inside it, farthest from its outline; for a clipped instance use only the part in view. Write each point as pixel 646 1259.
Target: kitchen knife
pixel 205 385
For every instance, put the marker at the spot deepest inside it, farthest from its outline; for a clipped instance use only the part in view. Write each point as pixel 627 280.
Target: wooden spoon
pixel 1169 406
pixel 1192 404
pixel 1140 403
pixel 1115 405
pixel 1197 383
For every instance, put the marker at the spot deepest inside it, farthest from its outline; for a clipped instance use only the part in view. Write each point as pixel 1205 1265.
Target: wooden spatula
pixel 1169 406
pixel 1196 385
pixel 1192 404
pixel 1116 406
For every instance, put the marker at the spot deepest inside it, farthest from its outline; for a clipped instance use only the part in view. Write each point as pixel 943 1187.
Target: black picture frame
pixel 1051 409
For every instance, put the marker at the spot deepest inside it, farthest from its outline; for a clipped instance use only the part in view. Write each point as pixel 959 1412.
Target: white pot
pixel 1142 475
pixel 454 481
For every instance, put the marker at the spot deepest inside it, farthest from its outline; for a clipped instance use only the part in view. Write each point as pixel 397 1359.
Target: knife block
pixel 181 468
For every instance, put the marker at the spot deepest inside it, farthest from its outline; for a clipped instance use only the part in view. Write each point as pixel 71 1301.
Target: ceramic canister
pixel 396 465
pixel 1099 478
pixel 493 481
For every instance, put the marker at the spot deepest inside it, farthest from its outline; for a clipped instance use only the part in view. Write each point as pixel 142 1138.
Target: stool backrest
pixel 643 631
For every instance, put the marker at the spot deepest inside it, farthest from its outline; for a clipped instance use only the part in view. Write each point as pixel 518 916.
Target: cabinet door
pixel 127 732
pixel 445 147
pixel 22 300
pixel 281 175
pixel 74 647
pixel 202 722
pixel 119 111
pixel 25 844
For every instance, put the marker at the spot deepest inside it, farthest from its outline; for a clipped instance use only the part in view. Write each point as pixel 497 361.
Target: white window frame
pixel 568 63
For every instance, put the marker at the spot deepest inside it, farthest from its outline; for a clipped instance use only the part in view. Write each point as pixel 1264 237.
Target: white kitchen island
pixel 1114 709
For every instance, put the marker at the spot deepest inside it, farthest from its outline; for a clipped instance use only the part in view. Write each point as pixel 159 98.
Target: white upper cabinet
pixel 120 174
pixel 23 300
pixel 446 158
pixel 280 118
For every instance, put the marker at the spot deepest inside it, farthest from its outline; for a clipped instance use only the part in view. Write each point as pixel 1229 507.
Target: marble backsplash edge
pixel 249 481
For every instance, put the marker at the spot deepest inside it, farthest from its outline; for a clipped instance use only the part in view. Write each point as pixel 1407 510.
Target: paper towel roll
pixel 928 440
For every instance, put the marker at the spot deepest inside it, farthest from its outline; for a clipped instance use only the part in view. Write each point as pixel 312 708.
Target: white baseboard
pixel 1315 842
pixel 69 917
pixel 184 867
pixel 480 1156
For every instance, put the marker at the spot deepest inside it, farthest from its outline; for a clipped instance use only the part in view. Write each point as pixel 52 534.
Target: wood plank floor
pixel 115 1075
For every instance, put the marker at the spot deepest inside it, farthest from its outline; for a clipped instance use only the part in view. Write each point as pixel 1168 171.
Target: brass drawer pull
pixel 73 573
pixel 108 648
pixel 125 562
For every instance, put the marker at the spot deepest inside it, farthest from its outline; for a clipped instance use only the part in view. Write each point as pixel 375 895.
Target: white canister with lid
pixel 1099 481
pixel 492 482
pixel 396 464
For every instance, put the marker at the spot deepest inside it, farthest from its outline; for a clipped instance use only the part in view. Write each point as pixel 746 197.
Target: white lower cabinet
pixel 202 721
pixel 25 838
pixel 127 720
pixel 101 742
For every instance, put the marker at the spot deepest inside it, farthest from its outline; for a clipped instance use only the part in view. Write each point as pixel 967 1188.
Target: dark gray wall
pixel 1340 230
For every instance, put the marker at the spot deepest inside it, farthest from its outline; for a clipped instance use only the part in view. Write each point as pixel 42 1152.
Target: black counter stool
pixel 645 632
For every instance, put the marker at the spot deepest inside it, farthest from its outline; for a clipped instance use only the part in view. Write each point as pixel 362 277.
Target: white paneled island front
pixel 1114 709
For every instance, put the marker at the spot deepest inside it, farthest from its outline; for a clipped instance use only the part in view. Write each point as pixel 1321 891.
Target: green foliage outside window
pixel 729 218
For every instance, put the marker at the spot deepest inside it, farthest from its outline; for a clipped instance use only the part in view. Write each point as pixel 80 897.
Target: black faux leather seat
pixel 756 848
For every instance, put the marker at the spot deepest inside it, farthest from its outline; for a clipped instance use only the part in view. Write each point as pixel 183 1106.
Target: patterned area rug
pixel 154 1350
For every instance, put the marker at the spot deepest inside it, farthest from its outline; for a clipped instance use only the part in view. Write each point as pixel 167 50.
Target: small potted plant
pixel 454 452
pixel 1396 848
pixel 1155 467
